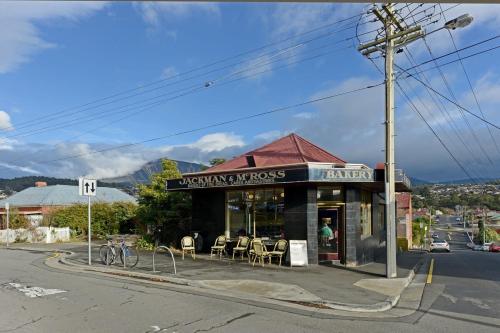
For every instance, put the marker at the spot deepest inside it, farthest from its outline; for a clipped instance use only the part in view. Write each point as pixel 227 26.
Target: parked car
pixel 439 245
pixel 435 236
pixel 486 247
pixel 494 247
pixel 457 219
pixel 470 245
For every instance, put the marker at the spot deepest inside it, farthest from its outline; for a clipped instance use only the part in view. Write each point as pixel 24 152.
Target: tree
pixel 169 210
pixel 217 161
pixel 16 220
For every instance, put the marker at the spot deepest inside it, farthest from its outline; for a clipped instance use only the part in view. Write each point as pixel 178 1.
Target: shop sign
pixel 238 179
pixel 298 253
pixel 317 173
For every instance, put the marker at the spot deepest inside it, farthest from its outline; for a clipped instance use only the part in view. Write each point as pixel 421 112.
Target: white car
pixel 485 247
pixel 439 245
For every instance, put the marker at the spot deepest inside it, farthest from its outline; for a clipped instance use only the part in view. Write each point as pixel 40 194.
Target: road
pixel 464 296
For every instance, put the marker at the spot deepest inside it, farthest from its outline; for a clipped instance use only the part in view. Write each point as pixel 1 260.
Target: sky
pixel 85 87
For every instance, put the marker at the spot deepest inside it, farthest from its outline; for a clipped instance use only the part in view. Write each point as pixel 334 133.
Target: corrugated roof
pixel 63 195
pixel 291 149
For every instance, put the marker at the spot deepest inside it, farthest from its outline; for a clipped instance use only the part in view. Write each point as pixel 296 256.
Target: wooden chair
pixel 188 246
pixel 279 250
pixel 242 246
pixel 260 252
pixel 219 246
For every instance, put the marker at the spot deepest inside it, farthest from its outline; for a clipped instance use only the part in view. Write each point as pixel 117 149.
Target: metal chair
pixel 279 250
pixel 187 245
pixel 219 246
pixel 242 246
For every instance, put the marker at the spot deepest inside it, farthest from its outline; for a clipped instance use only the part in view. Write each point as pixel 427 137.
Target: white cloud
pixel 21 40
pixel 304 115
pixel 156 13
pixel 169 72
pixel 5 123
pixel 269 136
pixel 217 142
pixel 7 144
pixel 19 168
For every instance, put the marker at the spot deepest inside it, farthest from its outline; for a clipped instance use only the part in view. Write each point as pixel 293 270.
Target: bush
pixel 145 243
pixel 106 218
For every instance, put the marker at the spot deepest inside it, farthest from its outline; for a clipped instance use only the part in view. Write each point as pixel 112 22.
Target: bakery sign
pixel 328 174
pixel 237 179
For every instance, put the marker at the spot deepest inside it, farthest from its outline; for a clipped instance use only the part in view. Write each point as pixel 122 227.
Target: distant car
pixel 457 219
pixel 486 247
pixel 470 245
pixel 477 247
pixel 494 247
pixel 439 245
pixel 435 236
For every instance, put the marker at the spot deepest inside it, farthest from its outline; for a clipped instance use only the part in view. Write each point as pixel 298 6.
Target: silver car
pixel 440 245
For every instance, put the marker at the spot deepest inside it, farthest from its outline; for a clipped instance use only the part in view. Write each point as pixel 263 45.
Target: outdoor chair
pixel 251 251
pixel 260 252
pixel 219 246
pixel 279 250
pixel 242 246
pixel 188 246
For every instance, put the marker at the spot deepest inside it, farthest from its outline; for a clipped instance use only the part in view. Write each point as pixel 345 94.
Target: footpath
pixel 344 291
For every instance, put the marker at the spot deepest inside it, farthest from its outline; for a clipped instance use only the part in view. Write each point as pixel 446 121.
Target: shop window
pixel 366 214
pixel 331 194
pixel 255 212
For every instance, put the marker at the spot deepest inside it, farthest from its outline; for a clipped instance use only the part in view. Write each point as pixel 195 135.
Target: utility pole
pixel 397 35
pixel 386 45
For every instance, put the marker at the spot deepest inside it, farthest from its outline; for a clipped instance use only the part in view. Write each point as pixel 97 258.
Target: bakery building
pixel 295 190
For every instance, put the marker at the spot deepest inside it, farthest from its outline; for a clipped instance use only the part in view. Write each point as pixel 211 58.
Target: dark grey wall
pixel 301 218
pixel 360 251
pixel 209 214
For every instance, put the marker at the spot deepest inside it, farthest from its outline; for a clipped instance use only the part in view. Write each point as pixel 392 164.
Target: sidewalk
pixel 363 287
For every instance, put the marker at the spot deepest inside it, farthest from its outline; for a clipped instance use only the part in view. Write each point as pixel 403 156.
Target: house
pixel 35 202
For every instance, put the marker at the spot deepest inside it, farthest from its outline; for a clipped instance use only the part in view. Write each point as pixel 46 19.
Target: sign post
pixel 7 207
pixel 88 187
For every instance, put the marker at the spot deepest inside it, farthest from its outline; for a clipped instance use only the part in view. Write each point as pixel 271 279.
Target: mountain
pixel 142 175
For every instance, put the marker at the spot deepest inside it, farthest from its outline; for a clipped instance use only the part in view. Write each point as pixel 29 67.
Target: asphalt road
pixel 464 296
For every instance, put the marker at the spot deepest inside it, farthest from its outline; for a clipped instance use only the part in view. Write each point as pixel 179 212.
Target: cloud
pixel 5 123
pixel 19 168
pixel 304 115
pixel 21 40
pixel 157 13
pixel 169 72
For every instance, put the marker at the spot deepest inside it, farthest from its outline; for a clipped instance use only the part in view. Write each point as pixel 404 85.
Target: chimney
pixel 250 161
pixel 40 184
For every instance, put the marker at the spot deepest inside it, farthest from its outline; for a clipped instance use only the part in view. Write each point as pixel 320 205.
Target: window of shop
pixel 366 214
pixel 256 212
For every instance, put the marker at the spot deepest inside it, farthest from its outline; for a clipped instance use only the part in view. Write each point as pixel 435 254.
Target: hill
pixel 142 175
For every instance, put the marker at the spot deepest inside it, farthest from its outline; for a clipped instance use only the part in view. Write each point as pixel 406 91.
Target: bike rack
pixel 171 254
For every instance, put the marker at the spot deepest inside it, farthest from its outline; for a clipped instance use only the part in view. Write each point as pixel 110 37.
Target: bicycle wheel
pixel 131 256
pixel 103 253
pixel 110 256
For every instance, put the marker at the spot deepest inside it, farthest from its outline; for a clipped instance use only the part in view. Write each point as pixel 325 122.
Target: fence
pixel 36 235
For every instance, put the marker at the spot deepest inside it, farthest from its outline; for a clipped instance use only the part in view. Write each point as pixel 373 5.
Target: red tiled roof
pixel 291 149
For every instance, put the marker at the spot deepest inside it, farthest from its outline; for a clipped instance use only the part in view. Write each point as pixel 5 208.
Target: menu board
pixel 298 253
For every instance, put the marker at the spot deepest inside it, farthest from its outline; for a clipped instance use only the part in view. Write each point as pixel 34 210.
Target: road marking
pixel 431 268
pixel 33 292
pixel 55 255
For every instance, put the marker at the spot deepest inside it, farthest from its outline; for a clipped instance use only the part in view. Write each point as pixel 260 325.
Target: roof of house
pixel 62 195
pixel 291 149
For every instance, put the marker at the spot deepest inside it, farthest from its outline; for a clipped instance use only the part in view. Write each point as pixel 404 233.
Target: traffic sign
pixel 87 187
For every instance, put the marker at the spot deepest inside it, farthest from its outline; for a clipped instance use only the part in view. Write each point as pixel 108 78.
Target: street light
pixel 459 22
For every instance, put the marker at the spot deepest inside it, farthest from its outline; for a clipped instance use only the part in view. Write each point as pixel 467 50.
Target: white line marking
pixel 33 292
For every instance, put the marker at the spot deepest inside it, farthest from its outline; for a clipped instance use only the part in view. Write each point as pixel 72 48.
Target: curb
pixel 386 305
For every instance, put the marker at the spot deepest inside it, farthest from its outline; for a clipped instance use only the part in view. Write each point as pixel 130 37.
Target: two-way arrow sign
pixel 87 186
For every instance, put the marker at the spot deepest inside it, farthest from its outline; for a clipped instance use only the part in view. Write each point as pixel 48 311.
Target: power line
pixel 447 85
pixel 183 92
pixel 449 100
pixel 218 124
pixel 200 67
pixel 470 84
pixel 434 133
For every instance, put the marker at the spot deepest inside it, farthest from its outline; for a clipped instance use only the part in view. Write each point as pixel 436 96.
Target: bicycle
pixel 129 256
